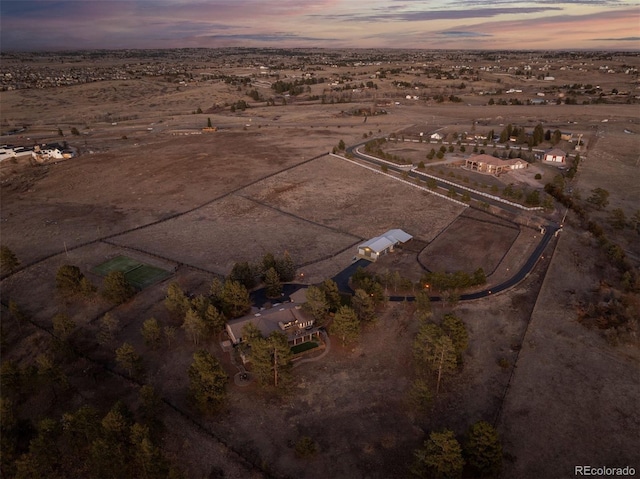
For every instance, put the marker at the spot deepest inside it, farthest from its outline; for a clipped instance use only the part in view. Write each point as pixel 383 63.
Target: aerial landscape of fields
pixel 319 262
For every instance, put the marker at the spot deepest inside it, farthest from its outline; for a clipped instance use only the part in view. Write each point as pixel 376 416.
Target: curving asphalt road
pixel 527 267
pixel 342 278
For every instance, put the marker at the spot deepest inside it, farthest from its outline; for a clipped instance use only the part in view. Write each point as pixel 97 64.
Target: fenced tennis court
pixel 137 274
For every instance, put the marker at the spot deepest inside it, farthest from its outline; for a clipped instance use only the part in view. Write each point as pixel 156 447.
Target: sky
pixel 38 25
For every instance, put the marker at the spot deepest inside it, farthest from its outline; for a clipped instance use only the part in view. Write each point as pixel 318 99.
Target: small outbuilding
pixel 555 156
pixel 380 245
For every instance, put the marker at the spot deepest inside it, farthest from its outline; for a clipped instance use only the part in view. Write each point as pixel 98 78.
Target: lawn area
pixel 301 348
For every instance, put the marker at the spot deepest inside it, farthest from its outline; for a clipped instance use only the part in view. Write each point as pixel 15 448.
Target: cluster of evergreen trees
pixel 295 87
pixel 272 271
pixel 83 442
pixel 442 455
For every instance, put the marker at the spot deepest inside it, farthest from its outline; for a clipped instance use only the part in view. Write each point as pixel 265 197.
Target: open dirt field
pixel 573 399
pixel 487 239
pixel 146 187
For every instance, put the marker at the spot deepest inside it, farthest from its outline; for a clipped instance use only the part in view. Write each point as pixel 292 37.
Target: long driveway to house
pixel 444 184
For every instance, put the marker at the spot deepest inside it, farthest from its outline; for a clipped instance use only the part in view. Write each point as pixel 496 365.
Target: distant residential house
pixel 287 318
pixel 555 156
pixel 495 166
pixel 380 245
pixel 566 136
pixel 51 151
pixel 8 152
pixel 437 136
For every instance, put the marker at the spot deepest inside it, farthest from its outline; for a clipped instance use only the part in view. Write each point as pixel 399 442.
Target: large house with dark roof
pixel 287 318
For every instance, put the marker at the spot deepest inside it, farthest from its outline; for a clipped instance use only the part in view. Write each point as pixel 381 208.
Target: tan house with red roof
pixel 492 165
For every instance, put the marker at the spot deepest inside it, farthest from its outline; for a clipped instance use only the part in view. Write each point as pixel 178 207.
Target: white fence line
pixel 481 193
pixel 380 172
pixel 397 165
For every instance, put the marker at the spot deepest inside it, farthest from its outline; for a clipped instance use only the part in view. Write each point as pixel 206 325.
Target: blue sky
pixel 429 24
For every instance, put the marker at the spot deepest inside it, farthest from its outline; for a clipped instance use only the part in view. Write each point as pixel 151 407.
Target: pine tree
pixel 286 268
pixel 207 382
pixel 8 260
pixel 69 279
pixel 457 332
pixel 434 351
pixel 214 320
pixel 151 332
pixel 483 449
pixel 63 326
pixel 363 306
pixel 116 288
pixel 273 286
pixel 271 360
pixel 128 359
pixel 244 273
pixel 108 327
pixel 345 325
pixel 441 457
pixel 268 261
pixel 235 299
pixel 194 326
pixel 176 301
pixel 332 294
pixel 316 304
pixel 250 333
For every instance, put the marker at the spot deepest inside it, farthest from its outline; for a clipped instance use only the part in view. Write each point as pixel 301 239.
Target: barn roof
pixel 386 240
pixel 556 152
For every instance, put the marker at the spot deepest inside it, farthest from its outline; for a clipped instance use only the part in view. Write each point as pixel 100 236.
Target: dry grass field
pixel 144 186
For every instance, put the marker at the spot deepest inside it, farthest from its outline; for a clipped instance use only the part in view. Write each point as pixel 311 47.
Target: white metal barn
pixel 376 247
